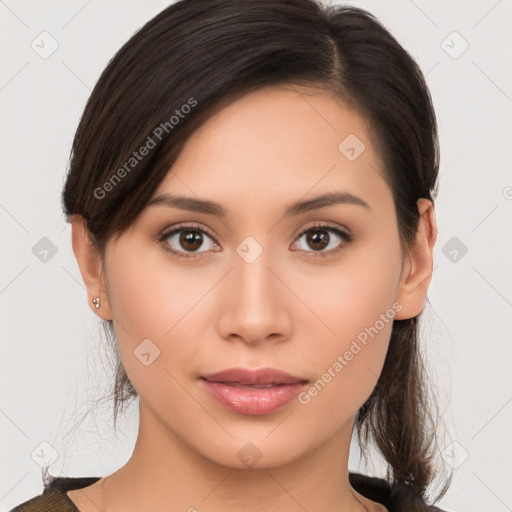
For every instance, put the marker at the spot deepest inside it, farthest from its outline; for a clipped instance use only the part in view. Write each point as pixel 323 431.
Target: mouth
pixel 249 386
pixel 253 392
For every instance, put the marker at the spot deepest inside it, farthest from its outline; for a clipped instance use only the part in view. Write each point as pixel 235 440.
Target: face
pixel 309 290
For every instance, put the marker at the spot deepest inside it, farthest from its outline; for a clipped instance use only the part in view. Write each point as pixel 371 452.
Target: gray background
pixel 54 369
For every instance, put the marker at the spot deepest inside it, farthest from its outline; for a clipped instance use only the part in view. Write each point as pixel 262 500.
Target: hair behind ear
pixel 400 415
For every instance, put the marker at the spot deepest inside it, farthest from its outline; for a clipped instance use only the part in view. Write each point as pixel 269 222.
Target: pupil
pixel 191 240
pixel 318 239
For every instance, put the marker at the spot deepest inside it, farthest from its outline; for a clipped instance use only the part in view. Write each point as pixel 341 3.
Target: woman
pixel 251 194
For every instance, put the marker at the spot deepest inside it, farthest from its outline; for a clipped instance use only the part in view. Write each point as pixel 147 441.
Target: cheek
pixel 348 364
pixel 358 309
pixel 134 301
pixel 148 296
pixel 157 316
pixel 353 295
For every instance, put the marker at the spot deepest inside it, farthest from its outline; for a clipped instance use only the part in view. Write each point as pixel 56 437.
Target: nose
pixel 255 305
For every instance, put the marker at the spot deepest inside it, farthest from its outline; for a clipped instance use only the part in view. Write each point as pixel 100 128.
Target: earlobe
pixel 417 271
pixel 91 267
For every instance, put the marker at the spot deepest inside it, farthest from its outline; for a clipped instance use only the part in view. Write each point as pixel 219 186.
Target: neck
pixel 164 472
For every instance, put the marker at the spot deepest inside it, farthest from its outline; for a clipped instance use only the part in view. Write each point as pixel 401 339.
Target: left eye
pixel 320 239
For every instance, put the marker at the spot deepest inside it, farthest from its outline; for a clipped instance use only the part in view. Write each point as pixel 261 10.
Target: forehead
pixel 277 143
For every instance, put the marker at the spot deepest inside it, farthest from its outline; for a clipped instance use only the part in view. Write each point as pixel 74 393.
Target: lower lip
pixel 250 400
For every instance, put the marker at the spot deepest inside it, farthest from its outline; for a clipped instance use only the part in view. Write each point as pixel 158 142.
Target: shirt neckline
pixel 373 488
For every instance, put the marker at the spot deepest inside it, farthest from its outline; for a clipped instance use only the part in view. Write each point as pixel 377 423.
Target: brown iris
pixel 317 239
pixel 191 240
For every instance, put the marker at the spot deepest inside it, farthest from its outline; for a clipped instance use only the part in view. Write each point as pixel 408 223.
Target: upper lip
pixel 247 376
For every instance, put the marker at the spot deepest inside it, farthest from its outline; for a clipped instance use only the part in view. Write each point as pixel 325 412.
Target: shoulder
pixel 54 497
pixel 396 497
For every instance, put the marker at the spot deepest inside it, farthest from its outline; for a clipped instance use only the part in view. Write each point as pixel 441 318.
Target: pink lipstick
pixel 253 392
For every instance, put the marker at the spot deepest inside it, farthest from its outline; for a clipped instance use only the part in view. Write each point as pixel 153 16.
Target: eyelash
pixel 317 227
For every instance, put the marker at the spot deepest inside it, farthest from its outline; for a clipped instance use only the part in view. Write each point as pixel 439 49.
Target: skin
pixel 289 309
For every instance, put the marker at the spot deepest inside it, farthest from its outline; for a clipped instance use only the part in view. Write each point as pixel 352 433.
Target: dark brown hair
pixel 196 56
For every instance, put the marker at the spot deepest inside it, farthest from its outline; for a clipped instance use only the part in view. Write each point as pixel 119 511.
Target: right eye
pixel 186 241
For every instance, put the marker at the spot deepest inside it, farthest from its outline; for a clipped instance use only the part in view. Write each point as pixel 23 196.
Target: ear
pixel 91 266
pixel 417 268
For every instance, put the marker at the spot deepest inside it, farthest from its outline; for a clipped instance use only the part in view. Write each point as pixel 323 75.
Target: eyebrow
pixel 205 206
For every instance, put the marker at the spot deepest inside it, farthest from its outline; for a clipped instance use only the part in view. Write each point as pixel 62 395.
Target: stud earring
pixel 97 302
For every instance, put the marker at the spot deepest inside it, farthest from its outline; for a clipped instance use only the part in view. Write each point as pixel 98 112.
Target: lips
pixel 253 392
pixel 264 377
